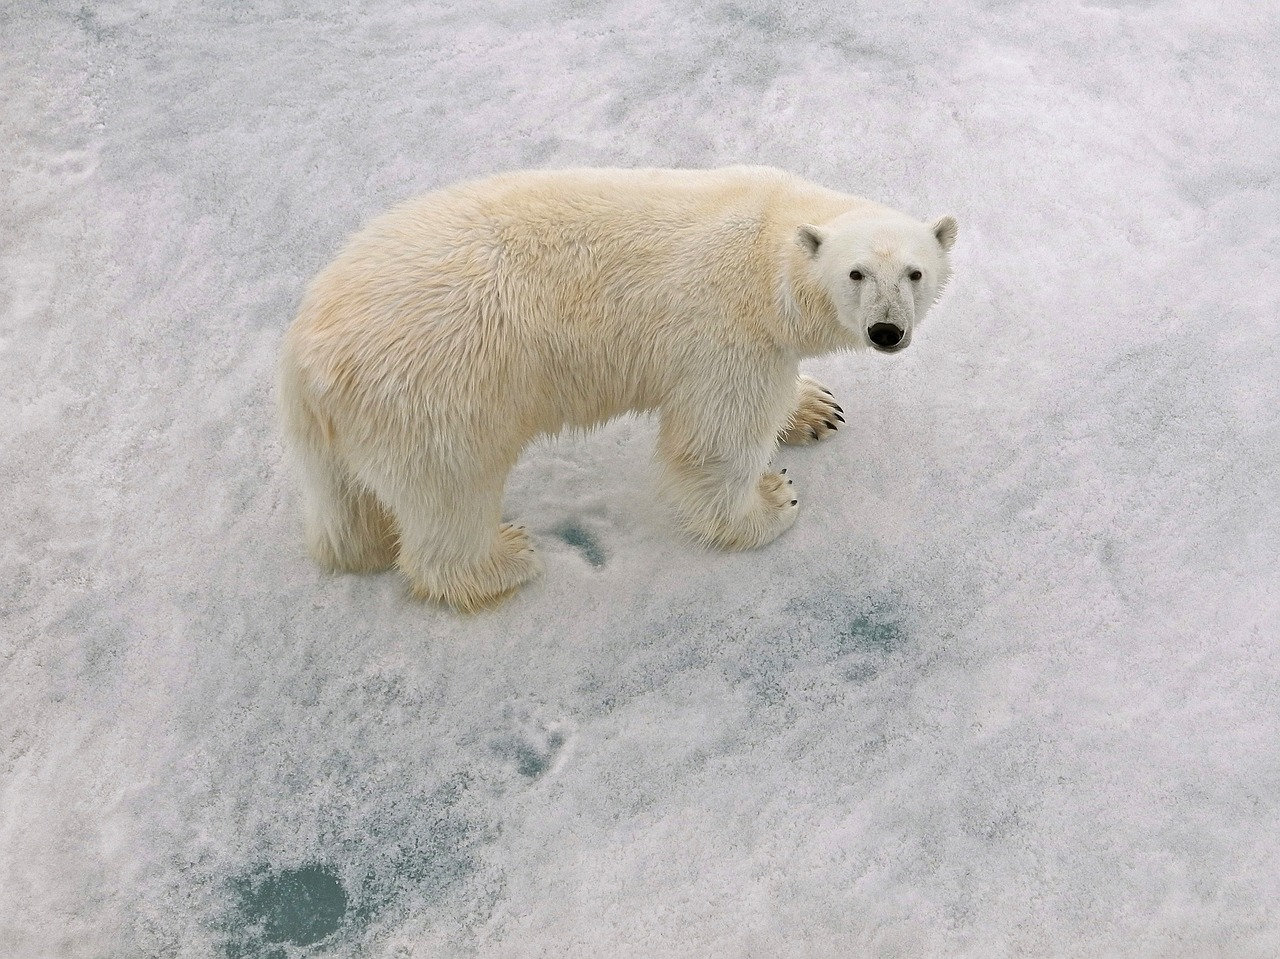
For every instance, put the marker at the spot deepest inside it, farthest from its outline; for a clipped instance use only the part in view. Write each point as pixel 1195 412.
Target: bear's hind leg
pixel 477 582
pixel 453 550
pixel 815 416
pixel 347 529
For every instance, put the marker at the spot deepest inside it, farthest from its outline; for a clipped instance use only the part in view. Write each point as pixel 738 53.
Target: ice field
pixel 1009 688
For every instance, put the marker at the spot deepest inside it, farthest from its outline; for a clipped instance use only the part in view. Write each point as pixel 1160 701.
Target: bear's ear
pixel 945 229
pixel 810 237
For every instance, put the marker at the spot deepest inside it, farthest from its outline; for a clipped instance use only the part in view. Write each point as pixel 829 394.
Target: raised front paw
pixel 816 416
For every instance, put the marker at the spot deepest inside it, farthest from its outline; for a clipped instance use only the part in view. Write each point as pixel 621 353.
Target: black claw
pixel 830 425
pixel 840 418
pixel 814 433
pixel 825 390
pixel 837 407
pixel 784 472
pixel 793 502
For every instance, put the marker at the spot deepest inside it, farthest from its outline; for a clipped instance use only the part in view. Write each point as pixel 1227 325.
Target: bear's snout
pixel 886 337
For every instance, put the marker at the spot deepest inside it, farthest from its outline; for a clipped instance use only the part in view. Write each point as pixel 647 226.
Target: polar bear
pixel 454 329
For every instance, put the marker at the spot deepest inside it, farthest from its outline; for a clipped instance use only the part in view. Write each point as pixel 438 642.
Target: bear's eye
pixel 856 276
pixel 916 276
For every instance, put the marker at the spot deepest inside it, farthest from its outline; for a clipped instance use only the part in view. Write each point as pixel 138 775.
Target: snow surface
pixel 1008 688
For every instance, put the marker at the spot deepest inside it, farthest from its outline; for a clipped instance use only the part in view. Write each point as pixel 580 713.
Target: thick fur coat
pixel 459 326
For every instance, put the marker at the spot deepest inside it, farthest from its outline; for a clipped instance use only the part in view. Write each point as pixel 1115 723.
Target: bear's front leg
pixel 815 416
pixel 715 460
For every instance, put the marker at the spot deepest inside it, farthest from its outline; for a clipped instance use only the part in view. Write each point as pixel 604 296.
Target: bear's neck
pixel 808 317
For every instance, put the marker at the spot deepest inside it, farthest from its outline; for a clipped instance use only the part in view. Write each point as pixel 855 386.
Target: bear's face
pixel 882 275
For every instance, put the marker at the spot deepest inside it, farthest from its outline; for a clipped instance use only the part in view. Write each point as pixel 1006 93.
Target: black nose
pixel 885 335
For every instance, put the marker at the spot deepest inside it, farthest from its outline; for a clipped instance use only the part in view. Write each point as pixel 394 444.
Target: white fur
pixel 459 326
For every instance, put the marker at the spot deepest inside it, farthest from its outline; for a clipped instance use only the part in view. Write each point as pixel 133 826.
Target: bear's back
pixel 562 277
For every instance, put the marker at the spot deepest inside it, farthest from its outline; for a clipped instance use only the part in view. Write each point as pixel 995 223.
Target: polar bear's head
pixel 882 273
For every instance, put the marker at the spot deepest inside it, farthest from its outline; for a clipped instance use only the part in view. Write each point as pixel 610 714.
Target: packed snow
pixel 1010 686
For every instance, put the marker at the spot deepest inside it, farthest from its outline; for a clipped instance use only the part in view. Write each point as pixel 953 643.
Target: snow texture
pixel 1008 688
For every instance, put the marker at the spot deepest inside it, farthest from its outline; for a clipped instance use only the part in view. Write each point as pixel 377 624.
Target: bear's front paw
pixel 816 416
pixel 774 510
pixel 778 492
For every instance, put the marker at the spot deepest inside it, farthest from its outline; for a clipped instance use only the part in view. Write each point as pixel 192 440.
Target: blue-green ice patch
pixel 870 632
pixel 583 541
pixel 297 907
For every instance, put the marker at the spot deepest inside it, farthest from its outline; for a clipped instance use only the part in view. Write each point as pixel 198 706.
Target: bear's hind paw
pixel 512 563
